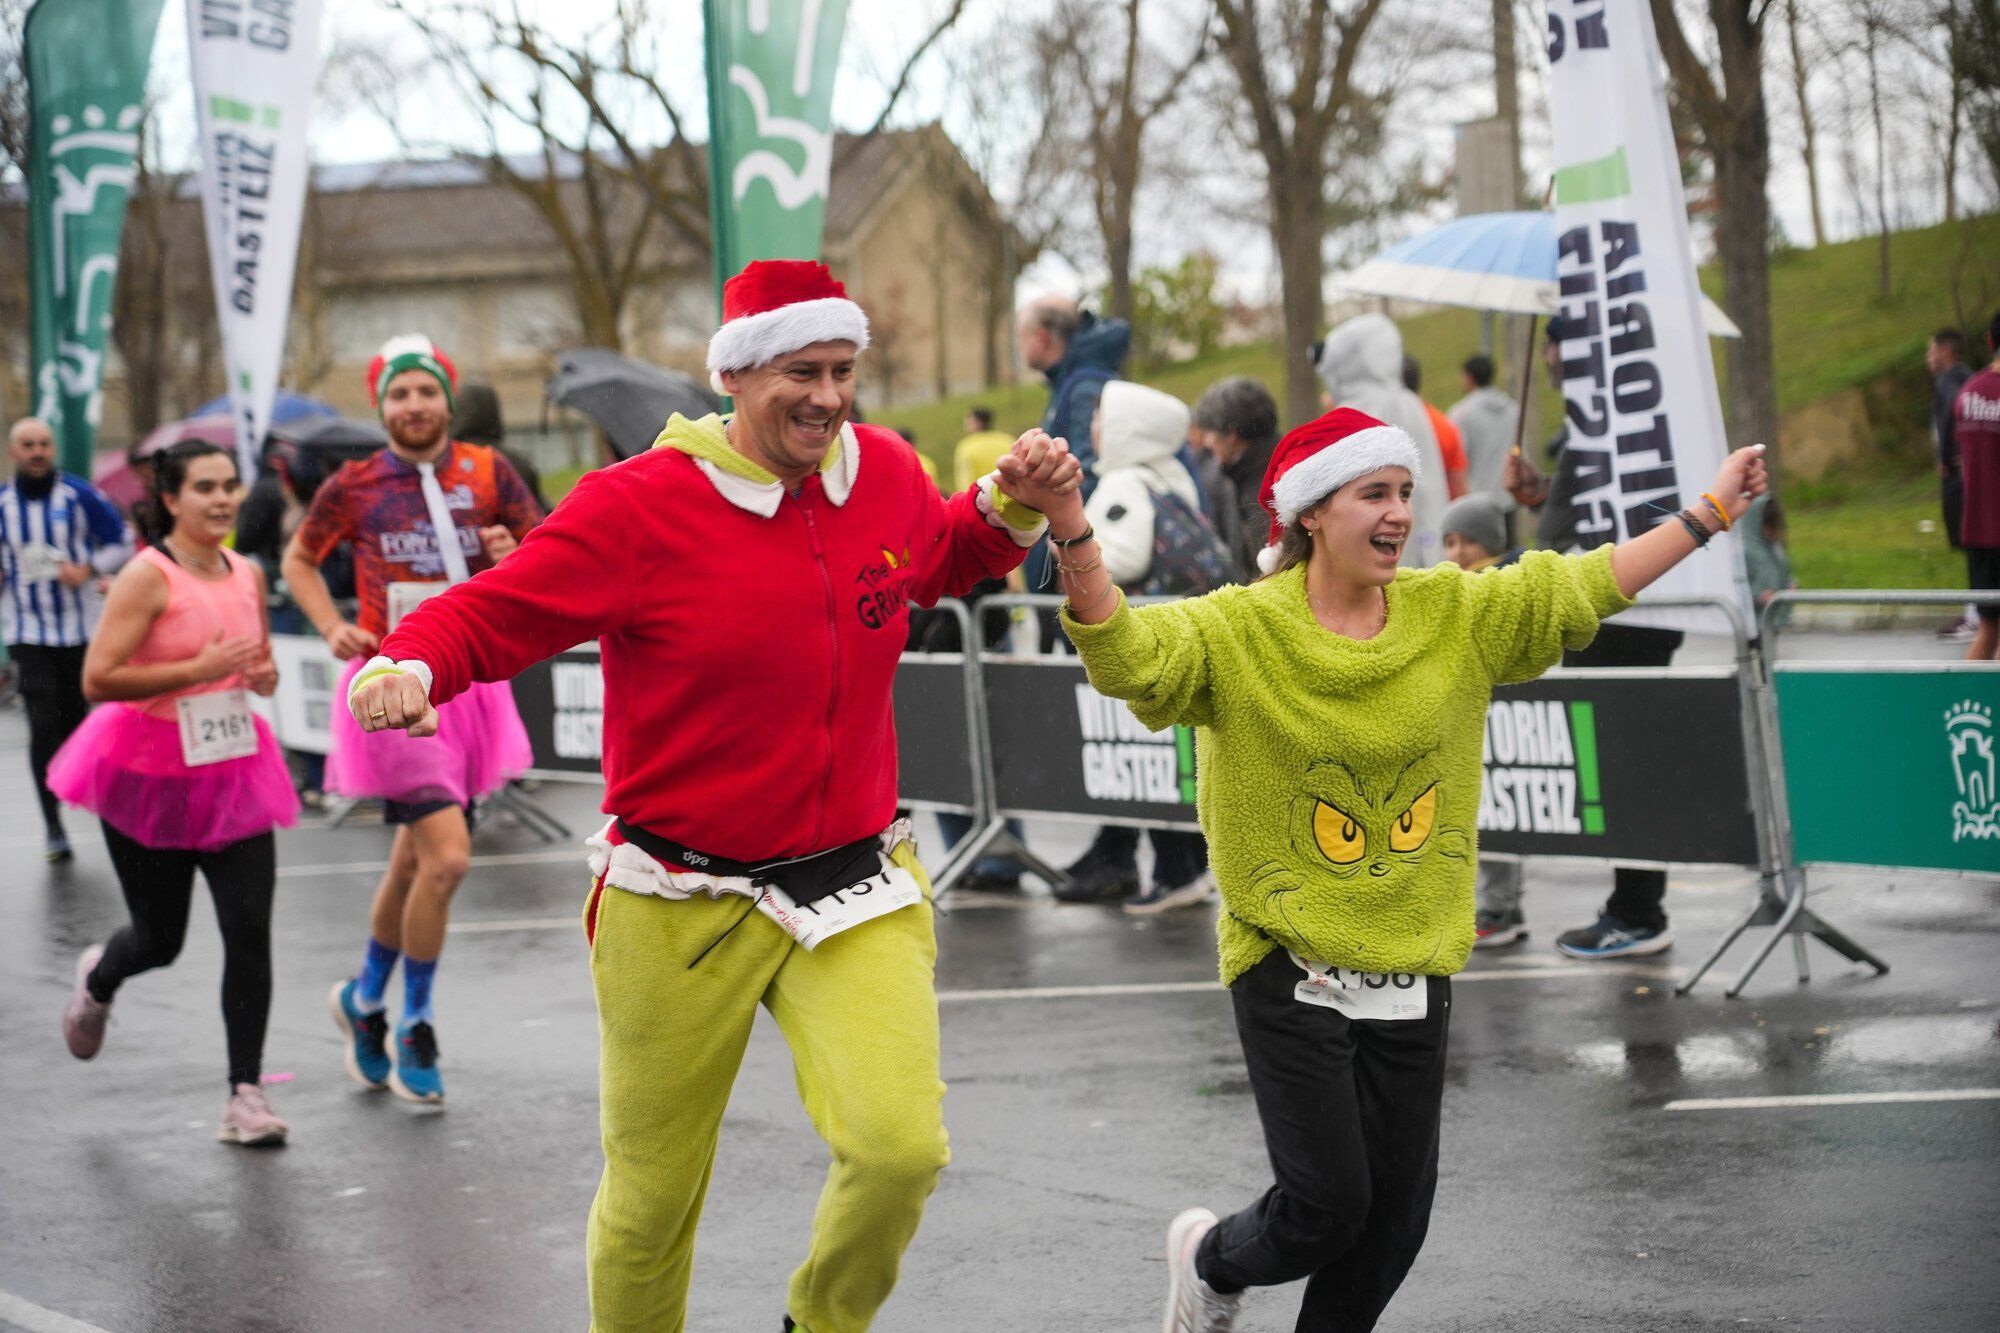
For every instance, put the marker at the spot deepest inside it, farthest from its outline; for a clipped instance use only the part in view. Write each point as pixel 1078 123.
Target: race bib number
pixel 407 597
pixel 816 922
pixel 216 726
pixel 38 562
pixel 1383 997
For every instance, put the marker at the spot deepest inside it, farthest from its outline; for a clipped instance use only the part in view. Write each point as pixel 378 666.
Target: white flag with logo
pixel 255 64
pixel 1644 418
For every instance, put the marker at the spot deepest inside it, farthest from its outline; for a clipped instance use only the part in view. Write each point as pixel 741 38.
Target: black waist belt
pixel 804 879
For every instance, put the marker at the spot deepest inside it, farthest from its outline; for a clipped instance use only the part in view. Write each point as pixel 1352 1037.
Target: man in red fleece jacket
pixel 748 580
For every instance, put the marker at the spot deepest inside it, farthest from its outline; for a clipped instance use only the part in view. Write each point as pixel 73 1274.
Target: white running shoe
pixel 1192 1305
pixel 249 1120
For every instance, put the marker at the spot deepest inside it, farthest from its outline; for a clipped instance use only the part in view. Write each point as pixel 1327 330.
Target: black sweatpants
pixel 51 685
pixel 1350 1113
pixel 159 888
pixel 1638 897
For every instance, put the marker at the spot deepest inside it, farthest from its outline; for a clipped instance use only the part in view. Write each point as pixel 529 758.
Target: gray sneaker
pixel 249 1120
pixel 86 1017
pixel 1192 1305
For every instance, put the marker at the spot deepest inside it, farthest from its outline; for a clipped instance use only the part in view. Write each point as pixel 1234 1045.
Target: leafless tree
pixel 1808 127
pixel 1726 99
pixel 1297 69
pixel 1119 86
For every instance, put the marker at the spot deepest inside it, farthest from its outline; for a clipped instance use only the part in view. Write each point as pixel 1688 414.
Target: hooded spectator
pixel 1361 365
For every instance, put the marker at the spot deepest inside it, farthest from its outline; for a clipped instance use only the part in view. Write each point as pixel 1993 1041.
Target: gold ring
pixel 381 713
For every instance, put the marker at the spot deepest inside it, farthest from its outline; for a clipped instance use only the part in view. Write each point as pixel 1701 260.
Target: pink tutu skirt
pixel 125 767
pixel 480 746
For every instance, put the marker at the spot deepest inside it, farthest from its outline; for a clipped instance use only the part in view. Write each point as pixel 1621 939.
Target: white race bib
pixel 216 726
pixel 890 891
pixel 407 597
pixel 38 562
pixel 1378 996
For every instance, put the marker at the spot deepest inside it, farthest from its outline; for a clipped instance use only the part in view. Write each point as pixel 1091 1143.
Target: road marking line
pixel 1197 987
pixel 518 923
pixel 28 1315
pixel 1833 1099
pixel 548 857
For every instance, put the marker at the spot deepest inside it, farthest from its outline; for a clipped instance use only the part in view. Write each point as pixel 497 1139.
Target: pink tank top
pixel 197 610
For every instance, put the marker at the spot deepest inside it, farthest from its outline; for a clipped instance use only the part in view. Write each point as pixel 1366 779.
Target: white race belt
pixel 890 890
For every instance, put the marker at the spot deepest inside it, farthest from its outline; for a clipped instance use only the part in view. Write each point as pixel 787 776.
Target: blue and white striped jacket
pixel 72 522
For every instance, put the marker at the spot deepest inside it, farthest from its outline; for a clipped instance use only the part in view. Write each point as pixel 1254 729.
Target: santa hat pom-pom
pixel 1267 560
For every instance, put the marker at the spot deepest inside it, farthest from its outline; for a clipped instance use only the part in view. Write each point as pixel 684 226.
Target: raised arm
pixel 1644 558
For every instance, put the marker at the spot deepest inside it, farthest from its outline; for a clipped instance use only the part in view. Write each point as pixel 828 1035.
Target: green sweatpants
pixel 860 1015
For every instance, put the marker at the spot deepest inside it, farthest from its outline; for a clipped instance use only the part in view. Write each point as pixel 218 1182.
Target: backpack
pixel 1189 559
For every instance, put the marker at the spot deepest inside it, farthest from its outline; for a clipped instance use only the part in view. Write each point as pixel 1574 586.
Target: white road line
pixel 1196 987
pixel 574 923
pixel 28 1315
pixel 1833 1099
pixel 550 856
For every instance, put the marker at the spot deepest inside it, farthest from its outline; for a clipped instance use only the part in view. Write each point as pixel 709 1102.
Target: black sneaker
pixel 1490 930
pixel 984 882
pixel 1160 898
pixel 57 849
pixel 1096 878
pixel 1612 938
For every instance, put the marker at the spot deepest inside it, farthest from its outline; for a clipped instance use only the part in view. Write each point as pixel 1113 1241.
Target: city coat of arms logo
pixel 1968 729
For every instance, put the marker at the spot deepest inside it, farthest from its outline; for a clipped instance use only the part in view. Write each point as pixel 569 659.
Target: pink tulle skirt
pixel 480 745
pixel 125 767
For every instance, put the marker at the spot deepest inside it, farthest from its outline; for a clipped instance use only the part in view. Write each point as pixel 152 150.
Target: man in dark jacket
pixel 1944 357
pixel 1078 354
pixel 1634 919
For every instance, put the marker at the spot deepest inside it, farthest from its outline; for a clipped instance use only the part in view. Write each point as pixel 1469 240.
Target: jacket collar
pixel 744 483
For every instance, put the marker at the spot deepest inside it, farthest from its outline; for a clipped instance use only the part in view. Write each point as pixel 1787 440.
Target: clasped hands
pixel 1042 474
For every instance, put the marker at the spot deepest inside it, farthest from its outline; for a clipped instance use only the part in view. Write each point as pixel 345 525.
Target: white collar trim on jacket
pixel 762 498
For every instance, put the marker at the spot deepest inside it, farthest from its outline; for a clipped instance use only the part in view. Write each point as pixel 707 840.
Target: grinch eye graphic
pixel 1414 824
pixel 1341 840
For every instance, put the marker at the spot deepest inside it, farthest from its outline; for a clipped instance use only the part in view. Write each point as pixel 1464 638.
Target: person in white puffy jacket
pixel 1361 365
pixel 1137 431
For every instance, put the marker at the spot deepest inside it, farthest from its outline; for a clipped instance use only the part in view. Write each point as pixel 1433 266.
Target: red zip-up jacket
pixel 748 659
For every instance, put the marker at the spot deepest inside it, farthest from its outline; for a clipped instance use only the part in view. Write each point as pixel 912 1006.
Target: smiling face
pixel 1359 530
pixel 415 411
pixel 790 411
pixel 204 508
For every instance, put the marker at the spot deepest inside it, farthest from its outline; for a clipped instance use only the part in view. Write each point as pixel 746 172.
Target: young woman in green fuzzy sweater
pixel 1339 707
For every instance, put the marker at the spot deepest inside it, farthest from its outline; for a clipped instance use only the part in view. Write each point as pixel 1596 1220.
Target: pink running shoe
pixel 249 1119
pixel 86 1018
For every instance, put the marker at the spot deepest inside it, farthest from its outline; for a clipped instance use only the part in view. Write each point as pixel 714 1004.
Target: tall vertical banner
pixel 771 67
pixel 1645 420
pixel 255 63
pixel 86 63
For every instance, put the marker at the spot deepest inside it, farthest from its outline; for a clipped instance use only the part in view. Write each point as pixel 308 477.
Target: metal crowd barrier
pixel 1864 795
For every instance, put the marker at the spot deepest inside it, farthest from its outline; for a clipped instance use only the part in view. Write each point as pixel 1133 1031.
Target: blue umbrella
pixel 1487 261
pixel 286 408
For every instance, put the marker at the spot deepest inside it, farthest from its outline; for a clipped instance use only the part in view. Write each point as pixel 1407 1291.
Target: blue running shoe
pixel 367 1037
pixel 416 1077
pixel 1611 938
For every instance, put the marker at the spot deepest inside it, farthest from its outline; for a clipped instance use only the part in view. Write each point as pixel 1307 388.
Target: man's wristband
pixel 378 667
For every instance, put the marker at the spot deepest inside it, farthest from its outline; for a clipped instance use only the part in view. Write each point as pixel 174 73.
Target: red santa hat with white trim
pixel 1319 458
pixel 776 306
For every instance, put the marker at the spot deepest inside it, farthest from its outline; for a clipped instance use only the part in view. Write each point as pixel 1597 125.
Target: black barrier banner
pixel 1060 747
pixel 934 733
pixel 561 702
pixel 1614 767
pixel 1639 768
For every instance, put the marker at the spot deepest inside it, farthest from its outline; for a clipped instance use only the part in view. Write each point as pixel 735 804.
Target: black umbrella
pixel 313 447
pixel 628 399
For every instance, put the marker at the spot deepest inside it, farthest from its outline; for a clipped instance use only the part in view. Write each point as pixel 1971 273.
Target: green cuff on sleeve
pixel 1015 514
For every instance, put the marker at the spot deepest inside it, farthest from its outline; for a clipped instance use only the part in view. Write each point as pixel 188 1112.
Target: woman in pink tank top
pixel 181 773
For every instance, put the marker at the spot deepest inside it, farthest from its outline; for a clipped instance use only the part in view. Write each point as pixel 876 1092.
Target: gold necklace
pixel 1328 615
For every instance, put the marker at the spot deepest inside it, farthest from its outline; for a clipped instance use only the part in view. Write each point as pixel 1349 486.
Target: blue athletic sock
pixel 418 973
pixel 373 979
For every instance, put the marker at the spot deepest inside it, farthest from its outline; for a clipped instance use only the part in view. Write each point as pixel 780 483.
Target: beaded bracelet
pixel 1720 513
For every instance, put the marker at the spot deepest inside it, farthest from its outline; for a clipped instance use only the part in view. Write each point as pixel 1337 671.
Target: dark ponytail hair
pixel 170 470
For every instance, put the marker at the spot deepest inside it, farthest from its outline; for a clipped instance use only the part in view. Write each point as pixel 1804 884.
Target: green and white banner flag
pixel 1645 420
pixel 771 66
pixel 86 63
pixel 255 63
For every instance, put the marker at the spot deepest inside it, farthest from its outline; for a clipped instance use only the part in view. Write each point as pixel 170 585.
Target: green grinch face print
pixel 1353 851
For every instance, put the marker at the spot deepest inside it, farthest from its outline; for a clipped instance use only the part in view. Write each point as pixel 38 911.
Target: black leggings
pixel 1350 1113
pixel 51 685
pixel 159 887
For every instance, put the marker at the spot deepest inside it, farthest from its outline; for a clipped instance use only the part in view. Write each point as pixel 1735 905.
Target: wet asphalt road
pixel 1570 1198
